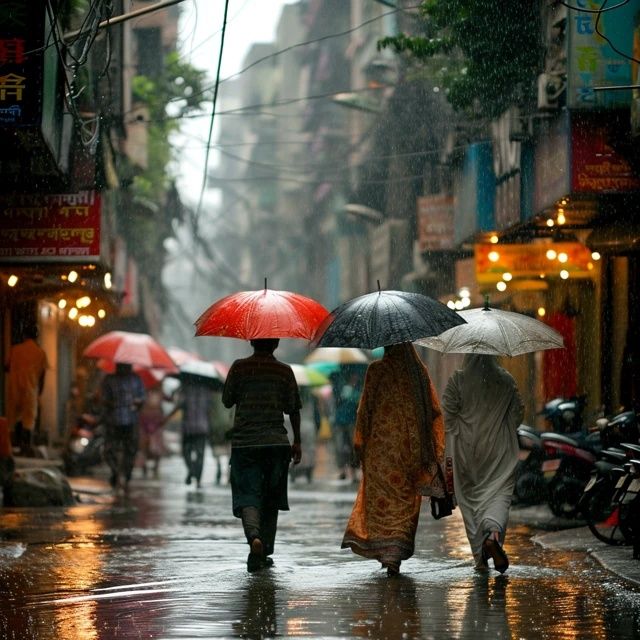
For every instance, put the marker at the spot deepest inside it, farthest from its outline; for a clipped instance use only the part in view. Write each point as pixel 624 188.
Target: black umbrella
pixel 385 317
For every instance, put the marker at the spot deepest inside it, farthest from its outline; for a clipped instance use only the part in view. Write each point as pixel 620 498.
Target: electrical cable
pixel 604 37
pixel 213 114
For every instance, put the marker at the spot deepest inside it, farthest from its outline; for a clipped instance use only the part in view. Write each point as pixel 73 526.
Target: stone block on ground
pixel 44 487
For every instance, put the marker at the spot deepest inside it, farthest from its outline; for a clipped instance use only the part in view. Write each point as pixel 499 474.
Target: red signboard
pixel 62 227
pixel 435 223
pixel 596 167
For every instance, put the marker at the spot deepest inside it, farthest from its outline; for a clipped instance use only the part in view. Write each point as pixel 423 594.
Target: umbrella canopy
pixel 308 377
pixel 150 377
pixel 383 318
pixel 496 332
pixel 202 369
pixel 335 356
pixel 266 313
pixel 180 356
pixel 130 348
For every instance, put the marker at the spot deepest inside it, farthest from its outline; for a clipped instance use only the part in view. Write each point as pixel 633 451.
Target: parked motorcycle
pixel 85 445
pixel 565 415
pixel 530 486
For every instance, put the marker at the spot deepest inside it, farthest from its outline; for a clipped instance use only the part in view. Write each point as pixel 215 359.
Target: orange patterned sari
pixel 400 432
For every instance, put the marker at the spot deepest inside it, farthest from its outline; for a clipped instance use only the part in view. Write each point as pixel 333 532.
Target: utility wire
pixel 213 114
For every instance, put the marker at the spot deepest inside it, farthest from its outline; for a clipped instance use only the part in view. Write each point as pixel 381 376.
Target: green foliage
pixel 490 51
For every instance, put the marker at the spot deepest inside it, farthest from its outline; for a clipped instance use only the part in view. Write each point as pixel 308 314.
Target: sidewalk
pixel 572 535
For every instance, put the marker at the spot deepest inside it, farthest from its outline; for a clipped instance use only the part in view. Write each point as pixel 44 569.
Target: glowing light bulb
pixel 507 277
pixel 62 303
pixel 73 313
pixel 101 313
pixel 72 276
pixel 451 304
pixel 551 254
pixel 562 257
pixel 83 302
pixel 542 311
pixel 561 219
pixel 494 239
pixel 595 255
pixel 501 286
pixel 107 281
pixel 550 222
pixel 564 274
pixel 494 256
pixel 13 280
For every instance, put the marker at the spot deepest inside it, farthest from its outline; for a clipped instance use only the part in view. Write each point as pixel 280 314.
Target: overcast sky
pixel 248 21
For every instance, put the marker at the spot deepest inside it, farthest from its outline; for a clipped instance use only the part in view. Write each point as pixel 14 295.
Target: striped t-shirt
pixel 262 390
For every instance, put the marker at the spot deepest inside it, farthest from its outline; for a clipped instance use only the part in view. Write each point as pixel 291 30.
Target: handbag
pixel 443 507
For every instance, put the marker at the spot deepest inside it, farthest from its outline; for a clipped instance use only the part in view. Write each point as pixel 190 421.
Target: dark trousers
pixel 259 490
pixel 193 446
pixel 120 448
pixel 23 439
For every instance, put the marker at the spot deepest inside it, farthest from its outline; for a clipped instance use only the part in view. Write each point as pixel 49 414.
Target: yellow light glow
pixel 73 313
pixel 451 304
pixel 507 277
pixel 564 274
pixel 590 266
pixel 550 222
pixel 494 239
pixel 86 321
pixel 494 256
pixel 464 292
pixel 564 201
pixel 458 305
pixel 562 257
pixel 83 302
pixel 541 311
pixel 561 219
pixel 101 313
pixel 73 276
pixel 501 286
pixel 551 254
pixel 62 303
pixel 465 302
pixel 595 255
pixel 542 276
pixel 107 281
pixel 13 280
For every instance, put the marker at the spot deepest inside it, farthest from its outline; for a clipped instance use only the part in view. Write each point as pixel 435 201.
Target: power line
pixel 213 114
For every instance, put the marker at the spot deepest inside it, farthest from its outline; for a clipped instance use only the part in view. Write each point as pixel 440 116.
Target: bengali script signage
pixel 531 261
pixel 50 228
pixel 593 62
pixel 596 167
pixel 435 222
pixel 22 32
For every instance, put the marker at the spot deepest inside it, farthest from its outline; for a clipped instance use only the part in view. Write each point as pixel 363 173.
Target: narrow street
pixel 169 562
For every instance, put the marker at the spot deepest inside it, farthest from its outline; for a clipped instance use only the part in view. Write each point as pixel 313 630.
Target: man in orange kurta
pixel 400 441
pixel 27 366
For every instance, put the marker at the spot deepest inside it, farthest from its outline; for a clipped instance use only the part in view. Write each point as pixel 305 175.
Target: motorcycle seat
pixel 561 438
pixel 613 455
pixel 630 447
pixel 622 418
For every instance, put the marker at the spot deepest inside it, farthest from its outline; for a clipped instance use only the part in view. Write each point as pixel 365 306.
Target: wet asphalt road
pixel 169 562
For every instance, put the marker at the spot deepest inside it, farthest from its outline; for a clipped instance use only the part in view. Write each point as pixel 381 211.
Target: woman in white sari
pixel 482 410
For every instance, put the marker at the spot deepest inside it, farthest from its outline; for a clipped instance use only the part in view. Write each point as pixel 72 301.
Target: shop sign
pixel 592 61
pixel 506 167
pixel 435 222
pixel 22 31
pixel 596 167
pixel 531 261
pixel 63 227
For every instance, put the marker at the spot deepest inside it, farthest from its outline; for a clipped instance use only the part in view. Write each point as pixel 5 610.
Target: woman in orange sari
pixel 399 440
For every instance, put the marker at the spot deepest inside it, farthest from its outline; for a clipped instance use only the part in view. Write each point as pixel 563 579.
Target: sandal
pixel 493 549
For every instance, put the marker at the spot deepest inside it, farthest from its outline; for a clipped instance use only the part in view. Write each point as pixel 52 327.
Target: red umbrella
pixel 150 377
pixel 131 348
pixel 181 356
pixel 265 313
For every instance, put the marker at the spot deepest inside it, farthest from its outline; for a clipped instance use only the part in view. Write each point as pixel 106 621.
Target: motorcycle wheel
pixel 564 496
pixel 603 517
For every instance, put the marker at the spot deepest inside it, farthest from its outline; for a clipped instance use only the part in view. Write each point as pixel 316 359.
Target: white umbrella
pixel 495 332
pixel 306 377
pixel 202 369
pixel 337 355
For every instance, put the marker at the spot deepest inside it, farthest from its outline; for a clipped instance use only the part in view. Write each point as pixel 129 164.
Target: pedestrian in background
pixel 482 410
pixel 399 439
pixel 262 389
pixel 346 407
pixel 195 398
pixel 151 422
pixel 122 395
pixel 26 367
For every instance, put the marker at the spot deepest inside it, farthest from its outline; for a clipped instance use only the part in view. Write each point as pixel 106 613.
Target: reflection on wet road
pixel 170 563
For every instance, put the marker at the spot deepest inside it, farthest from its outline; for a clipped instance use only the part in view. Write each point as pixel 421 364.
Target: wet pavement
pixel 169 562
